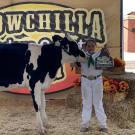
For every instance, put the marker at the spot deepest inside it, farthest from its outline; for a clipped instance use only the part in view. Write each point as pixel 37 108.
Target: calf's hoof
pixel 42 131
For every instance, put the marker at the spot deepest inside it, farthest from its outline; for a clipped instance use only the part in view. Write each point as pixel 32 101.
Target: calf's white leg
pixel 37 94
pixel 43 106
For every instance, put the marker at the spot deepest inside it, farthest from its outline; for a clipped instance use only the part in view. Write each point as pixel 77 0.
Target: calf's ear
pixel 56 38
pixel 64 41
pixel 69 37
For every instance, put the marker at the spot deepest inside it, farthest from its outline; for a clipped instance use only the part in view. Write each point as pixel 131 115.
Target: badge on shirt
pixel 104 61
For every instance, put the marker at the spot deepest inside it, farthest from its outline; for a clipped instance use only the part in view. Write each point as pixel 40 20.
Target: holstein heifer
pixel 35 67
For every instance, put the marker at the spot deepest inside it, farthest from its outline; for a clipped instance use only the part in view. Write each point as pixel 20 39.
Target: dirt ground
pixel 17 117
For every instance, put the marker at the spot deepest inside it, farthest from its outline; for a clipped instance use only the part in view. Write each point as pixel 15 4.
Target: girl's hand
pixel 105 50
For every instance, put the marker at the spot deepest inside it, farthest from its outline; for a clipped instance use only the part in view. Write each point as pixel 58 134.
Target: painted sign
pixel 35 22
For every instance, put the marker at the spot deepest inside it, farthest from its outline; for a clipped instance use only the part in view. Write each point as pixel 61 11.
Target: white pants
pixel 92 94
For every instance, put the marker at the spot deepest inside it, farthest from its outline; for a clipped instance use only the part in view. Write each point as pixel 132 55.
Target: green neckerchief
pixel 90 61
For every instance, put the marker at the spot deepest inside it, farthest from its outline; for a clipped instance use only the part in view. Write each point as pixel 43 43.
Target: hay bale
pixel 73 99
pixel 122 113
pixel 115 97
pixel 121 110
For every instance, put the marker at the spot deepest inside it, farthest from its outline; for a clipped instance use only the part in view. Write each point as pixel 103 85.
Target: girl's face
pixel 90 46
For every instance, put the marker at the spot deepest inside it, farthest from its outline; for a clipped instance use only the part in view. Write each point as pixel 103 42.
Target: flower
pixel 106 86
pixel 123 86
pixel 113 86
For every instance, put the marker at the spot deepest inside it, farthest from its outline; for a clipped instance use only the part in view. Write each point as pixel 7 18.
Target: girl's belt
pixel 91 77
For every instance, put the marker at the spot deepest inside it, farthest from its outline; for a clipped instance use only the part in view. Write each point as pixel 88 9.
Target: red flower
pixel 113 88
pixel 123 86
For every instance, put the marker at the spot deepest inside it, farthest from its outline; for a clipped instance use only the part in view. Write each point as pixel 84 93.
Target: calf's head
pixel 70 49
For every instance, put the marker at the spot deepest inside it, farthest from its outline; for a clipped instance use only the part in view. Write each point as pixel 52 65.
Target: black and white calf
pixel 35 67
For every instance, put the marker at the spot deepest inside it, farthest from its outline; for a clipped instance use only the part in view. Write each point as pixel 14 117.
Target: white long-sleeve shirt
pixel 85 70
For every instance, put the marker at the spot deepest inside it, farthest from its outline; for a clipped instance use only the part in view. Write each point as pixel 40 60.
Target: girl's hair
pixel 90 40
